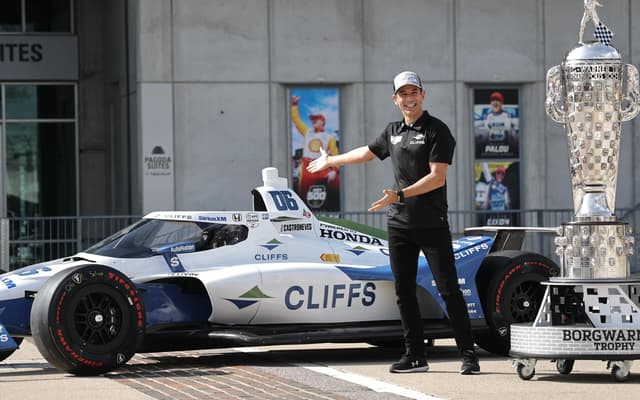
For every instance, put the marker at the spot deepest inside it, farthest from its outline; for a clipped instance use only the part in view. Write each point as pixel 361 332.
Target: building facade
pixel 128 106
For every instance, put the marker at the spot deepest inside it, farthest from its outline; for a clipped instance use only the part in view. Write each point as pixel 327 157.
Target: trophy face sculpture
pixel 592 93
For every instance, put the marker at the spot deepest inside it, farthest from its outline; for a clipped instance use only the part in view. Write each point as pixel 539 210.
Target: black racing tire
pixel 510 292
pixel 4 354
pixel 87 320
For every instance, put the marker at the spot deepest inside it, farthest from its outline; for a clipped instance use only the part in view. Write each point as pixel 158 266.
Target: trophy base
pixel 595 250
pixel 592 320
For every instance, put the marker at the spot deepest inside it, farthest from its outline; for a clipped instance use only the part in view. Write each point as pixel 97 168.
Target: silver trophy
pixel 592 310
pixel 592 93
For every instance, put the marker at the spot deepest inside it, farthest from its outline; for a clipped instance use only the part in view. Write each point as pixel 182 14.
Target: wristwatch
pixel 400 194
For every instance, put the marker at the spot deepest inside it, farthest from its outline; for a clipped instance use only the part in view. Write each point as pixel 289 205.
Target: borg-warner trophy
pixel 592 310
pixel 592 93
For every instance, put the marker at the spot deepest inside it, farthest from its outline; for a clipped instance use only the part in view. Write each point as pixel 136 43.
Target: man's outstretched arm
pixel 355 156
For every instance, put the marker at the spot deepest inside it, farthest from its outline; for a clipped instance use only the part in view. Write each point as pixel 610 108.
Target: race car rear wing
pixel 507 237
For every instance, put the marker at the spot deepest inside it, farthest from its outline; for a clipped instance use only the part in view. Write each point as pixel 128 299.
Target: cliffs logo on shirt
pixel 417 139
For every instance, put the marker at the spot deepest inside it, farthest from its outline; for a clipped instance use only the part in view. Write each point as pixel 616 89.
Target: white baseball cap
pixel 406 78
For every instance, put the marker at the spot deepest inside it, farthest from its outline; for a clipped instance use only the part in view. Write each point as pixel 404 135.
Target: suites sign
pixel 38 58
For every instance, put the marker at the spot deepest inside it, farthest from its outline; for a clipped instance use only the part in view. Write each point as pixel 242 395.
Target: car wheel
pixel 510 290
pixel 4 354
pixel 87 320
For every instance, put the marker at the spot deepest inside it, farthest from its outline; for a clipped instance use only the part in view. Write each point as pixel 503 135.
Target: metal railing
pixel 29 240
pixel 36 239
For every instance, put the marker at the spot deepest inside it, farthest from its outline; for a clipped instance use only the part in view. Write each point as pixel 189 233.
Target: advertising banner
pixel 496 123
pixel 497 192
pixel 315 124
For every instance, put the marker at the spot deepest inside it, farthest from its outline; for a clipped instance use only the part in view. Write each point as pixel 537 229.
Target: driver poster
pixel 497 193
pixel 496 123
pixel 315 124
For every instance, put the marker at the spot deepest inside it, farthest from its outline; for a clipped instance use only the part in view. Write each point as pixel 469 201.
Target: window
pixel 48 15
pixel 40 149
pixel 23 16
pixel 11 16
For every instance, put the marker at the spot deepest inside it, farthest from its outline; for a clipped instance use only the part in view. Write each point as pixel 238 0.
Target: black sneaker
pixel 410 364
pixel 470 364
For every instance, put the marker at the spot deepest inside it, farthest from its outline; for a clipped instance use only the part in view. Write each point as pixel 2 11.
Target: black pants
pixel 404 249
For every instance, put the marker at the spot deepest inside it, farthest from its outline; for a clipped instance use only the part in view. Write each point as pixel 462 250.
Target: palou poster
pixel 496 133
pixel 496 123
pixel 315 124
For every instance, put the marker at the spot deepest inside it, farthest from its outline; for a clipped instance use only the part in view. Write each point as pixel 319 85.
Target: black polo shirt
pixel 412 148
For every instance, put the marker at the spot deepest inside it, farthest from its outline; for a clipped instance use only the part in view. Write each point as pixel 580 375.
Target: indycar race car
pixel 273 275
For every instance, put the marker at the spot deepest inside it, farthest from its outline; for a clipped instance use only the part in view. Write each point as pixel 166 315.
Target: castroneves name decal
pixel 604 339
pixel 349 236
pixel 296 227
pixel 330 296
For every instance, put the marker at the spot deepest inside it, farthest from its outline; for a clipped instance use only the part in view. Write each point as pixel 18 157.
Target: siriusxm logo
pixel 217 218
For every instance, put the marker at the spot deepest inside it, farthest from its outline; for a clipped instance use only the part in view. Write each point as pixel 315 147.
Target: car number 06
pixel 284 201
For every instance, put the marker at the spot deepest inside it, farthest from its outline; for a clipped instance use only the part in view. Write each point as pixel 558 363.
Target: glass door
pixel 40 150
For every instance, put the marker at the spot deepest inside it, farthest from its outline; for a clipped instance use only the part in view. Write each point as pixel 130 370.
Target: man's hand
pixel 390 197
pixel 319 163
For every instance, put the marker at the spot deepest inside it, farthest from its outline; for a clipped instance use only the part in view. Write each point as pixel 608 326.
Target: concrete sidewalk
pixel 27 376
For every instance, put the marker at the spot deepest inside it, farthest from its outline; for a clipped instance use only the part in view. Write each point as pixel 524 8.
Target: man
pixel 421 148
pixel 498 121
pixel 314 141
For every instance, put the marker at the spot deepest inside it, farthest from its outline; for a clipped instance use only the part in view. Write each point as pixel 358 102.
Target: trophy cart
pixel 592 310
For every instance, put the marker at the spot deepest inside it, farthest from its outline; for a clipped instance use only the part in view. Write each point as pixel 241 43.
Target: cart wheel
pixel 619 374
pixel 620 369
pixel 526 372
pixel 564 366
